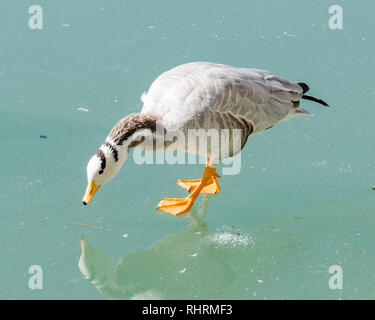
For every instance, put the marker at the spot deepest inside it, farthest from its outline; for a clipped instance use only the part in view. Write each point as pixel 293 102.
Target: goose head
pixel 102 167
pixel 110 157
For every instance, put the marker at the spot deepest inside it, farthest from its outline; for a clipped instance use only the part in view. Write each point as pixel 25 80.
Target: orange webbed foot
pixel 208 184
pixel 175 206
pixel 211 186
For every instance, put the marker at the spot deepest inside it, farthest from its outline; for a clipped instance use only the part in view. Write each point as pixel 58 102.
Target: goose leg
pixel 179 206
pixel 212 186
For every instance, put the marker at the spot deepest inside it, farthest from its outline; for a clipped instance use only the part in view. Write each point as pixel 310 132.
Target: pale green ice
pixel 301 203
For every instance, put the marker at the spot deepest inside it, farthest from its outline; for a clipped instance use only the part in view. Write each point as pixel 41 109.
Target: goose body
pixel 196 96
pixel 203 95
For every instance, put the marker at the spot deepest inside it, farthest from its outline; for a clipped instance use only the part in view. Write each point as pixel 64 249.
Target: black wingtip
pixel 304 87
pixel 315 100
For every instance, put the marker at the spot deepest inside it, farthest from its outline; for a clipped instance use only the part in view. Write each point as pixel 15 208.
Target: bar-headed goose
pixel 199 95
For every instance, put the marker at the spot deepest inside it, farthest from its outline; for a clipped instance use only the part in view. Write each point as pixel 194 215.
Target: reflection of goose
pixel 204 96
pixel 193 263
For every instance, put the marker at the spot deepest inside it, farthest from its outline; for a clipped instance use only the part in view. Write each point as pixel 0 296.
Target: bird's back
pixel 208 95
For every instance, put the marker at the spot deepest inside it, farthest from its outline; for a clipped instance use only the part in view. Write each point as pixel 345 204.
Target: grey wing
pixel 251 100
pixel 255 95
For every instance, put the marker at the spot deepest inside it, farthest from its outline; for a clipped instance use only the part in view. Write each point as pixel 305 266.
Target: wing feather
pixel 188 90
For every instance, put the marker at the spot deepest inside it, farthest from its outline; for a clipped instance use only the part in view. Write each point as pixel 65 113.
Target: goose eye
pixel 101 171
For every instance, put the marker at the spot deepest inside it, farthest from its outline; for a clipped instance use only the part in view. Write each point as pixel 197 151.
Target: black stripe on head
pixel 101 155
pixel 113 150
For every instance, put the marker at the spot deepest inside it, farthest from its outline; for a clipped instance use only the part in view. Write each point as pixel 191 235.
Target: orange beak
pixel 90 191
